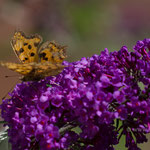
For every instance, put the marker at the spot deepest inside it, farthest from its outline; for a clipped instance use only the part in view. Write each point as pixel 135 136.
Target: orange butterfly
pixel 36 62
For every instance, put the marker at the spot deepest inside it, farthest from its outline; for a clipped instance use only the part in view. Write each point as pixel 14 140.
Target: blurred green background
pixel 85 26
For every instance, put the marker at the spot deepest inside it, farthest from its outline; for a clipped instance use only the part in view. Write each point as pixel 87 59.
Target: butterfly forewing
pixel 52 52
pixel 26 47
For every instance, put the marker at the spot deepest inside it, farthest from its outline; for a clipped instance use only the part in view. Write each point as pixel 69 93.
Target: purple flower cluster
pixel 89 106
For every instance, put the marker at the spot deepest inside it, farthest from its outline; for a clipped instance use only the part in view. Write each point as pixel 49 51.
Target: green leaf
pixel 48 85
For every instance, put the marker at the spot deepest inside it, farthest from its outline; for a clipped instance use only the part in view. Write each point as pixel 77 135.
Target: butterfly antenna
pixel 11 76
pixel 9 90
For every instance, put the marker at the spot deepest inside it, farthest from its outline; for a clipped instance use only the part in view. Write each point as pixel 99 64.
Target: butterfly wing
pixel 22 69
pixel 51 56
pixel 48 69
pixel 34 71
pixel 52 52
pixel 25 47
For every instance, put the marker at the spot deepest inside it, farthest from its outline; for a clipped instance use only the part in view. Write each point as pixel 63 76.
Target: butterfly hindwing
pixel 26 47
pixel 52 52
pixel 48 69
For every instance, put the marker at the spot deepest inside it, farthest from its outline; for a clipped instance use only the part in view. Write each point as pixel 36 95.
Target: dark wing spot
pixel 32 54
pixel 43 55
pixel 29 46
pixel 53 57
pixel 21 50
pixel 45 58
pixel 25 44
pixel 26 58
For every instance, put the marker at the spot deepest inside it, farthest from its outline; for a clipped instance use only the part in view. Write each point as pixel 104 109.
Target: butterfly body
pixel 36 62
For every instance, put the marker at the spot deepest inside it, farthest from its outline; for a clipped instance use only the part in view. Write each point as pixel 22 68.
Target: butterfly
pixel 37 62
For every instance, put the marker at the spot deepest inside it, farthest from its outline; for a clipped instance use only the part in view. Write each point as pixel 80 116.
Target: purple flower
pixel 91 104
